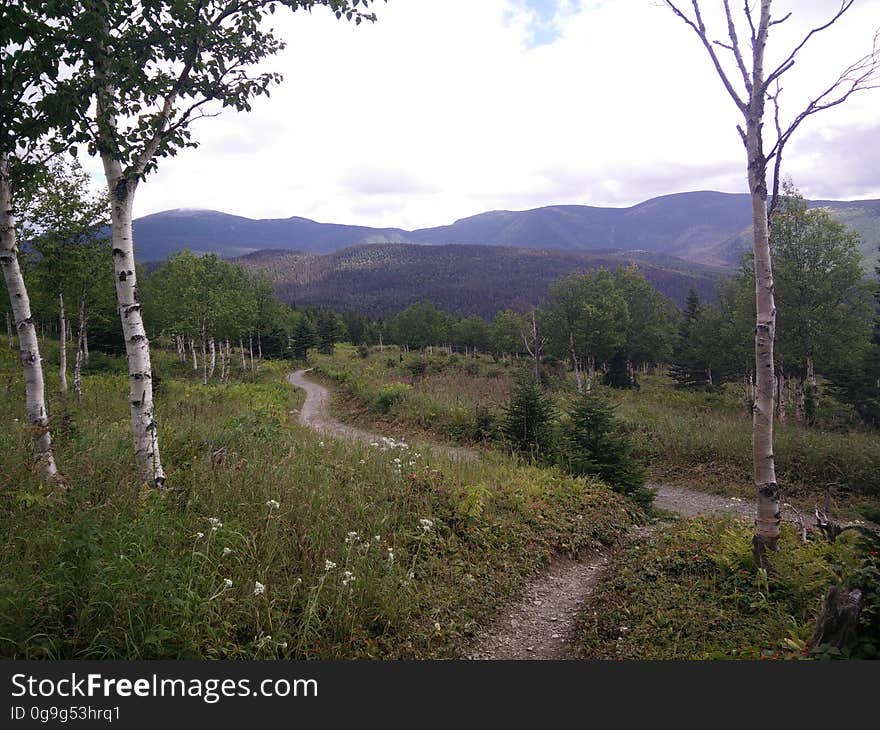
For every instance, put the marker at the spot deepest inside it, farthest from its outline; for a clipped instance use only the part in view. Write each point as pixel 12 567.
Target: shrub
pixel 417 366
pixel 391 395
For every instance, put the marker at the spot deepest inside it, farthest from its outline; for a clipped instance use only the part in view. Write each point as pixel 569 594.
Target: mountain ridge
pixel 701 227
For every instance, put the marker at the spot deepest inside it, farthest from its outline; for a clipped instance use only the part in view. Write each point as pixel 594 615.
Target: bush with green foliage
pixel 593 442
pixel 390 395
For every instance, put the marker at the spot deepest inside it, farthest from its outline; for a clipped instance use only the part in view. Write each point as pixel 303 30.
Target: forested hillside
pixel 464 280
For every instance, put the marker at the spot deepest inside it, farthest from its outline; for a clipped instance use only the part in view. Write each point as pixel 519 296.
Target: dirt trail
pixel 315 414
pixel 539 624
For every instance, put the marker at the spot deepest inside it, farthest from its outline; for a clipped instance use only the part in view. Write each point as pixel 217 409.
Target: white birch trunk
pixel 9 331
pixel 213 351
pixel 77 368
pixel 144 430
pixel 259 348
pixel 814 385
pixel 62 345
pixel 204 359
pixel 763 462
pixel 241 349
pixel 780 393
pixel 85 344
pixel 35 397
pixel 192 349
pixel 251 349
pixel 574 360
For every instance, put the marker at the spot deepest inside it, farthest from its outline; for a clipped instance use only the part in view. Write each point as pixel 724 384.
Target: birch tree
pixel 740 65
pixel 64 222
pixel 33 109
pixel 154 69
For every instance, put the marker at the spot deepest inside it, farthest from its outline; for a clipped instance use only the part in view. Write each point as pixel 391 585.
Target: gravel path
pixel 315 414
pixel 539 624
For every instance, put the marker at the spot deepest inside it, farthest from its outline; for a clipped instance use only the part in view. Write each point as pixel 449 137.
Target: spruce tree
pixel 686 369
pixel 593 442
pixel 527 419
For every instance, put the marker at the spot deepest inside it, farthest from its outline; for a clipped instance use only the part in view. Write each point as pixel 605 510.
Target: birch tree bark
pixel 144 431
pixel 574 360
pixel 212 349
pixel 29 348
pixel 62 342
pixel 9 331
pixel 80 343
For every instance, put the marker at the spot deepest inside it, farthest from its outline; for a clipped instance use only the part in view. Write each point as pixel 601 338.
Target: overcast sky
pixel 447 108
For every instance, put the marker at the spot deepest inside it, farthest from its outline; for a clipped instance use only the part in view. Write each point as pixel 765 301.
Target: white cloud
pixel 445 108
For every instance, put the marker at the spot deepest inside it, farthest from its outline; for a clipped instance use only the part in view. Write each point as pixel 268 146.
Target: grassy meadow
pixel 695 439
pixel 289 547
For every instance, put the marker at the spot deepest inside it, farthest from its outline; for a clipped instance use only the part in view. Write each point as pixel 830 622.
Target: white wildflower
pixel 226 551
pixel 273 504
pixel 215 523
pixel 426 524
pixel 329 565
pixel 199 535
pixel 321 444
pixel 362 462
pixel 377 538
pixel 259 588
pixel 227 583
pixel 347 577
pixel 351 537
pixel 282 644
pixel 390 556
pixel 436 626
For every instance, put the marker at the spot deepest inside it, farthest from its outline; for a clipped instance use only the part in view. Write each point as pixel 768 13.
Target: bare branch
pixel 748 12
pixel 699 28
pixel 734 46
pixel 789 61
pixel 776 153
pixel 861 75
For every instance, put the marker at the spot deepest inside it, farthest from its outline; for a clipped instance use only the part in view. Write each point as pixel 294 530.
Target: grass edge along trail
pixel 691 439
pixel 691 591
pixel 286 546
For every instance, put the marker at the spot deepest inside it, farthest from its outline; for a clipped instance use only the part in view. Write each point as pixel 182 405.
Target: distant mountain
pixel 382 279
pixel 159 235
pixel 707 228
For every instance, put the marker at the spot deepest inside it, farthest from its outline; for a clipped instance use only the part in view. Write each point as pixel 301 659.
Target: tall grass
pixel 693 438
pixel 269 541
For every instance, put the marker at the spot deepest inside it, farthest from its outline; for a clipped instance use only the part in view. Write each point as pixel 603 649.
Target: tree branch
pixel 699 28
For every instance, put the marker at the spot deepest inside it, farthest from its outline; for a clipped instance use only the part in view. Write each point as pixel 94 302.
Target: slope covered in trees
pixel 465 280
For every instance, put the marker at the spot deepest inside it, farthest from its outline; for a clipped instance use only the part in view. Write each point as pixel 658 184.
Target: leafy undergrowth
pixel 281 546
pixel 692 592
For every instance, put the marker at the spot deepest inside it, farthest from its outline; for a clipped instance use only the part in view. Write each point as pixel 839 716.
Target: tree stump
pixel 838 623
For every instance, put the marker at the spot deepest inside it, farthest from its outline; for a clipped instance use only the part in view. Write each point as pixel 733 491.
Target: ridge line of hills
pixel 705 228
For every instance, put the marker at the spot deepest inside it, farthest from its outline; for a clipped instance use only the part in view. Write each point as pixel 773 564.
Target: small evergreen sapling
pixel 594 443
pixel 527 420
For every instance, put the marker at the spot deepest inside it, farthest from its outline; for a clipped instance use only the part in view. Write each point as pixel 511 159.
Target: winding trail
pixel 540 623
